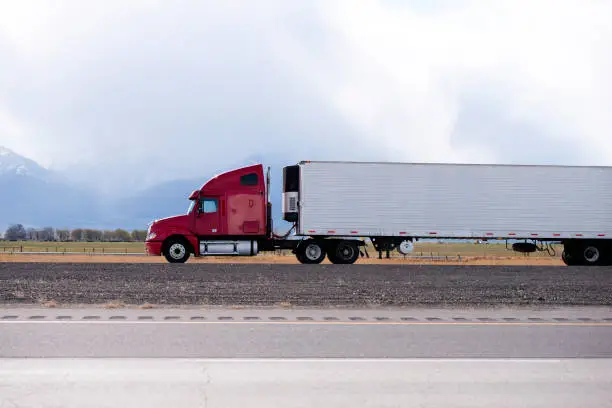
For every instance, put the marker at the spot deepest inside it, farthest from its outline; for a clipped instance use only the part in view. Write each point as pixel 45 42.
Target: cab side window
pixel 250 179
pixel 209 205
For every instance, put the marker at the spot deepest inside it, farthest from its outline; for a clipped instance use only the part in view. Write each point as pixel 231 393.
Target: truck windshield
pixel 191 205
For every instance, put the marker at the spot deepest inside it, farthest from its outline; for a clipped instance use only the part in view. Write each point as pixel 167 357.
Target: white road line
pixel 299 360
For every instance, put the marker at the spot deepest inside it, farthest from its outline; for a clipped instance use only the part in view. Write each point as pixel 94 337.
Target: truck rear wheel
pixel 343 252
pixel 176 250
pixel 310 252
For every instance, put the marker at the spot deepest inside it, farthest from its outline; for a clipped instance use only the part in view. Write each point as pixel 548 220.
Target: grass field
pixel 421 249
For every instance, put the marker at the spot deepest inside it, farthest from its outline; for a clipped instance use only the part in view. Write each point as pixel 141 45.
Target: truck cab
pixel 228 215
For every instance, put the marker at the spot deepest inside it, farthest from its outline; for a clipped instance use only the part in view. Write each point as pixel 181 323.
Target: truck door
pixel 207 217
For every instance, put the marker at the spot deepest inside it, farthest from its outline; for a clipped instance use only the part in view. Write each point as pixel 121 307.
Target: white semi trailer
pixel 336 206
pixel 393 204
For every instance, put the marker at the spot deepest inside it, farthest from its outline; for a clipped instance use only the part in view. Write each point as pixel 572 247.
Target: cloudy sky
pixel 143 91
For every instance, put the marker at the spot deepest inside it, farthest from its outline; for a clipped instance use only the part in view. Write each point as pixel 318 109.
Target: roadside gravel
pixel 303 285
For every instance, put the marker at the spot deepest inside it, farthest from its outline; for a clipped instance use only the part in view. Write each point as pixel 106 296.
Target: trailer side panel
pixel 454 200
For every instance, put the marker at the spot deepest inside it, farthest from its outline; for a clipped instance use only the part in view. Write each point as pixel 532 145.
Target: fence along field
pixel 85 245
pixel 48 240
pixel 72 247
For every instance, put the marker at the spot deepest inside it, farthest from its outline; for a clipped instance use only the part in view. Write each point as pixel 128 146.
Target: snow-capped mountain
pixel 13 164
pixel 34 196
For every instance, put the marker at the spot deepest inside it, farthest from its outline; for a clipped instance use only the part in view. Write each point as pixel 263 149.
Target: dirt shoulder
pixel 303 285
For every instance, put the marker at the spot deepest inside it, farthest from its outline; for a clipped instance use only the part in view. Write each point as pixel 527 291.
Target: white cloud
pixel 146 91
pixel 407 76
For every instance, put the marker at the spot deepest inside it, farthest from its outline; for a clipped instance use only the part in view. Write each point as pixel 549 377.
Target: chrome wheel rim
pixel 177 251
pixel 347 252
pixel 313 252
pixel 591 254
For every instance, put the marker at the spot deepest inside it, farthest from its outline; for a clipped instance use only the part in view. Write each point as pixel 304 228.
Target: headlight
pixel 150 236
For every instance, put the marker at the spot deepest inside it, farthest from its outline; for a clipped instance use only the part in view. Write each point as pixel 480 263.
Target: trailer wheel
pixel 344 252
pixel 592 255
pixel 176 250
pixel 310 252
pixel 570 258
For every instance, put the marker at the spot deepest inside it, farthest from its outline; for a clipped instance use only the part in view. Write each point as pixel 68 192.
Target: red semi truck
pixel 229 215
pixel 334 206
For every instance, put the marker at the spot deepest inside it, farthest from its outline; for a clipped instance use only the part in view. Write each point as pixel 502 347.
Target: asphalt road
pixel 305 383
pixel 298 357
pixel 304 285
pixel 228 333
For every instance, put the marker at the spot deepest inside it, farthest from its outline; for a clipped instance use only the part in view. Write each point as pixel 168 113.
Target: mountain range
pixel 37 197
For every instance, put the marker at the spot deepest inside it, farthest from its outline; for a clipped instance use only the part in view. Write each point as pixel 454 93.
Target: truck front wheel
pixel 310 252
pixel 176 250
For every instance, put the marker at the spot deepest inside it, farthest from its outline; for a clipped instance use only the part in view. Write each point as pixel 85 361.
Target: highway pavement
pixel 307 333
pixel 237 383
pixel 298 357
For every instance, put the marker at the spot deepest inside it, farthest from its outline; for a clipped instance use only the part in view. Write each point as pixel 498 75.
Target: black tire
pixel 344 252
pixel 569 258
pixel 592 254
pixel 332 244
pixel 310 252
pixel 176 250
